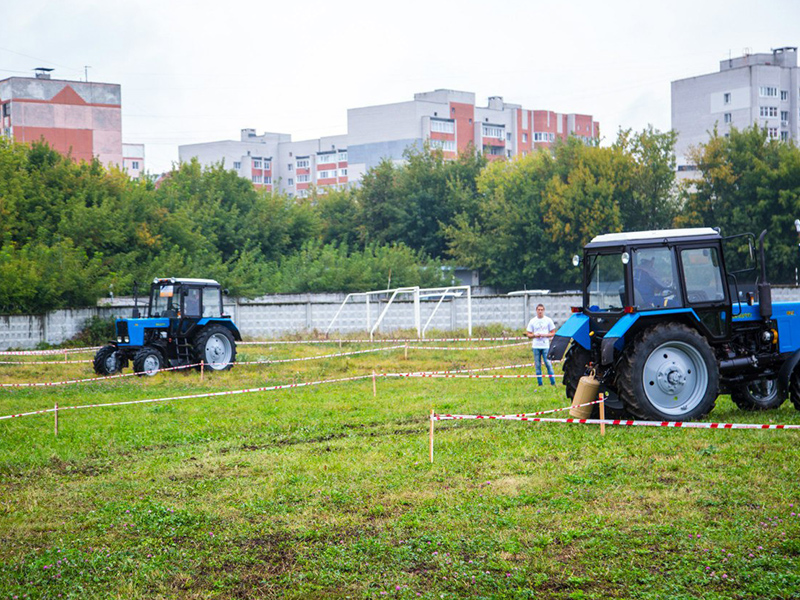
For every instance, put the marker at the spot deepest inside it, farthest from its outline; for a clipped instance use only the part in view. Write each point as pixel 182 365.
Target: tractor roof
pixel 658 235
pixel 186 281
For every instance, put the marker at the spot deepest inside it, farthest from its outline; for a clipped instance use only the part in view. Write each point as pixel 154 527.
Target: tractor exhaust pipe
pixel 136 313
pixel 764 289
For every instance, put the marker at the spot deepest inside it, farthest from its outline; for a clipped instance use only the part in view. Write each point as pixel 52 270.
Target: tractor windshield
pixel 606 282
pixel 163 299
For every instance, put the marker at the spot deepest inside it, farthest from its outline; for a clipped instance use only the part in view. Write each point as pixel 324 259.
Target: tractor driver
pixel 647 290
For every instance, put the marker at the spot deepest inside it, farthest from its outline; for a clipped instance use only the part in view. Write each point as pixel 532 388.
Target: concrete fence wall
pixel 285 314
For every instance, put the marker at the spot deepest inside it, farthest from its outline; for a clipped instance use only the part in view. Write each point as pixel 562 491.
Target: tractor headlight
pixel 127 339
pixel 119 339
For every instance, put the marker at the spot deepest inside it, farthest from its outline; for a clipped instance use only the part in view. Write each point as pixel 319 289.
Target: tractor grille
pixel 122 331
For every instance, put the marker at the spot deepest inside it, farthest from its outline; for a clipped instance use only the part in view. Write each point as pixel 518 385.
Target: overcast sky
pixel 195 71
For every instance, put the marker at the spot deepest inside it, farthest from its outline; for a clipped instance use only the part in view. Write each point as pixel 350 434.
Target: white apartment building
pixel 445 119
pixel 754 88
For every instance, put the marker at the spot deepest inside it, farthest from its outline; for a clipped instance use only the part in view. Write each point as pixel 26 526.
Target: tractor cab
pixel 185 299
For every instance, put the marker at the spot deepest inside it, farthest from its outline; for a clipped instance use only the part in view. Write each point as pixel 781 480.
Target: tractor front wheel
pixel 761 394
pixel 794 388
pixel 669 374
pixel 148 361
pixel 107 361
pixel 216 347
pixel 574 367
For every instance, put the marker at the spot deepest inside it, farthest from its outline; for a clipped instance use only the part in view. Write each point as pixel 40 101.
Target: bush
pixel 96 332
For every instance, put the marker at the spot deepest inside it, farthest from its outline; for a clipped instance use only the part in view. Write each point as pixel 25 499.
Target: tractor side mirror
pixel 136 313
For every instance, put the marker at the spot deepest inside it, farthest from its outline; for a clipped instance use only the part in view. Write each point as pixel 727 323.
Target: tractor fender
pixel 615 338
pixel 577 328
pixel 785 373
pixel 225 323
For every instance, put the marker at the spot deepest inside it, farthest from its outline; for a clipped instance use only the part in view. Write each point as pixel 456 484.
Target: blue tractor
pixel 185 324
pixel 666 327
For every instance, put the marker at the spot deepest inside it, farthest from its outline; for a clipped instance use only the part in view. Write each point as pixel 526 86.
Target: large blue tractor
pixel 185 324
pixel 666 327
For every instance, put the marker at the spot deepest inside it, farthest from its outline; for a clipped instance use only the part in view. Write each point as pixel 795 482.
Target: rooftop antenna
pixel 86 72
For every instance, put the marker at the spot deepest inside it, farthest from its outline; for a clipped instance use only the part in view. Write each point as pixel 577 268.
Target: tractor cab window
pixel 606 282
pixel 211 302
pixel 191 302
pixel 161 301
pixel 655 279
pixel 701 269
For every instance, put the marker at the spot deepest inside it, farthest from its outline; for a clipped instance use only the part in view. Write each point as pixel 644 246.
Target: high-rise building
pixel 750 89
pixel 77 118
pixel 445 119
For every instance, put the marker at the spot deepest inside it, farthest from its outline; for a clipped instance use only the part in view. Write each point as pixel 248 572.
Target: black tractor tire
pixel 761 394
pixel 574 367
pixel 107 361
pixel 216 347
pixel 794 388
pixel 148 361
pixel 668 373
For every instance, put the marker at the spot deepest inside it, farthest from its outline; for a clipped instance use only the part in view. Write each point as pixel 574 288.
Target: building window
pixel 289 168
pixel 784 94
pixel 773 133
pixel 302 193
pixel 444 145
pixel 442 126
pixel 543 137
pixel 290 181
pixel 508 153
pixel 342 172
pixel 769 111
pixel 490 131
pixel 342 156
pixel 727 97
pixel 784 136
pixel 785 116
pixel 257 179
pixel 324 159
pixel 326 174
pixel 303 178
pixel 302 164
pixel 256 163
pixel 727 117
pixel 237 164
pixel 524 138
pixel 267 179
pixel 135 165
pixel 508 136
pixel 766 91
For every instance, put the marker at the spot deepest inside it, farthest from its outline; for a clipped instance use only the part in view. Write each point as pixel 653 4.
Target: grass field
pixel 327 492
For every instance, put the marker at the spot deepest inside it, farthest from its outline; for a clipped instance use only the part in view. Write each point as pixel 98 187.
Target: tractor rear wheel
pixel 148 361
pixel 761 394
pixel 216 347
pixel 668 374
pixel 107 361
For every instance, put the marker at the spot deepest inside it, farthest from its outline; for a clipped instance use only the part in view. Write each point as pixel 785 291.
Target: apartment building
pixel 446 119
pixel 81 119
pixel 751 89
pixel 133 160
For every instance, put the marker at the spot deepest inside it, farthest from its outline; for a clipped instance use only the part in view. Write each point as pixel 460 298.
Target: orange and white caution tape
pixel 48 352
pixel 381 341
pixel 630 423
pixel 190 397
pixel 92 379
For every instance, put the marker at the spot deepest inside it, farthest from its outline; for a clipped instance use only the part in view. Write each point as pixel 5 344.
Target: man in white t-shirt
pixel 541 330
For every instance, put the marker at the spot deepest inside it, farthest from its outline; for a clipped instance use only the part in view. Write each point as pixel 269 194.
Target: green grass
pixel 327 492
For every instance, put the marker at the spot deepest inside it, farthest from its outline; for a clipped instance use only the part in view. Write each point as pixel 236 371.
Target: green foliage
pixel 748 183
pixel 71 232
pixel 96 331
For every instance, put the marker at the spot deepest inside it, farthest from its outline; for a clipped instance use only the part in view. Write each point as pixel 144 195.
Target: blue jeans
pixel 539 355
